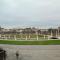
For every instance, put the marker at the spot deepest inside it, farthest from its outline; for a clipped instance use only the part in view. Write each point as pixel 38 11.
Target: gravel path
pixel 32 52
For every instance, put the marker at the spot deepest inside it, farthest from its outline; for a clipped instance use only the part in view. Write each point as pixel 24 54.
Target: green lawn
pixel 48 42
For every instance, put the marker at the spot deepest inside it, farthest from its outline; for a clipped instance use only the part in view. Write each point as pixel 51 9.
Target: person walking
pixel 17 55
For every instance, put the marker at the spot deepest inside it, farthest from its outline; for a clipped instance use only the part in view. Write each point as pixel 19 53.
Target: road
pixel 32 52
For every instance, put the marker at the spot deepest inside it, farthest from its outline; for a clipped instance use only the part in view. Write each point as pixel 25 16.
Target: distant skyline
pixel 38 27
pixel 26 13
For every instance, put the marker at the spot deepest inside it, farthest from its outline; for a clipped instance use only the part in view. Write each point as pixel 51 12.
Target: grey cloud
pixel 34 12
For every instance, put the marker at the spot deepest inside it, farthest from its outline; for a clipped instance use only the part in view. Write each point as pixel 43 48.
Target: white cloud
pixel 33 12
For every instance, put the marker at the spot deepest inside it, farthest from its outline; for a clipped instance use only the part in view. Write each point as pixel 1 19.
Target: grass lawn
pixel 48 42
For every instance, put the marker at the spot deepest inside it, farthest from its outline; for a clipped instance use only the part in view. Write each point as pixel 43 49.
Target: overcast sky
pixel 29 12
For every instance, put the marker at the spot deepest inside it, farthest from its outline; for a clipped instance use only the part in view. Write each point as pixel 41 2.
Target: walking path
pixel 32 52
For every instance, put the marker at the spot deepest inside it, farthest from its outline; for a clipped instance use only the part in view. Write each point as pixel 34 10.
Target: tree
pixel 53 31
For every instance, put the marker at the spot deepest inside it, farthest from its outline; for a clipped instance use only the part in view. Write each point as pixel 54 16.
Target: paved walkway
pixel 33 52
